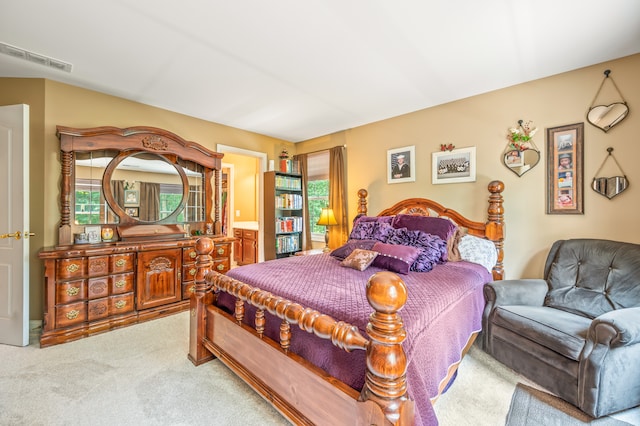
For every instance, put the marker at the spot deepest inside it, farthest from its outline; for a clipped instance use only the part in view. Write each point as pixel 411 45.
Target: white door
pixel 14 225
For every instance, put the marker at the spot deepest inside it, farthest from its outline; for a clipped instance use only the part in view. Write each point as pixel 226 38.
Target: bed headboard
pixel 492 229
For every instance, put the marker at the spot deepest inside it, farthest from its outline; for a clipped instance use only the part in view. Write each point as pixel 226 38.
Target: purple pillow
pixel 345 250
pixel 432 249
pixel 363 218
pixel 379 231
pixel 395 258
pixel 439 226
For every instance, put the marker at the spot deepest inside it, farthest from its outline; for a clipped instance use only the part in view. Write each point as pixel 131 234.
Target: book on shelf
pixel 287 243
pixel 290 166
pixel 289 224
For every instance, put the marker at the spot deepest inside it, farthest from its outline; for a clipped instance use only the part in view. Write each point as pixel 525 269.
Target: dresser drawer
pixel 98 265
pixel 189 272
pixel 221 250
pixel 69 292
pixel 189 255
pixel 221 265
pixel 98 309
pixel 70 268
pixel 122 262
pixel 122 283
pixel 98 287
pixel 74 313
pixel 121 304
pixel 188 289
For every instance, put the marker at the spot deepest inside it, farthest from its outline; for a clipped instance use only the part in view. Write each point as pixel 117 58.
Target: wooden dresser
pixel 94 288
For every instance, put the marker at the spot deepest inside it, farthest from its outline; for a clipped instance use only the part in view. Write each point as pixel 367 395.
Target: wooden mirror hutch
pixel 132 203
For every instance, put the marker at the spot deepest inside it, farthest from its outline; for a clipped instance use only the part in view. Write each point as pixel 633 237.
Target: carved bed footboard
pixel 299 390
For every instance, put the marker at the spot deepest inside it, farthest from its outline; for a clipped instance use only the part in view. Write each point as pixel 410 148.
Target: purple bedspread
pixel 443 309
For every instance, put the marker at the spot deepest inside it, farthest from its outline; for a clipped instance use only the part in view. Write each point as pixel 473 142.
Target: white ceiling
pixel 298 69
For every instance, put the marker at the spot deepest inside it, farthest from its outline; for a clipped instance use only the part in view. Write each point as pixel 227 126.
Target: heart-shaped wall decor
pixel 520 162
pixel 604 117
pixel 610 187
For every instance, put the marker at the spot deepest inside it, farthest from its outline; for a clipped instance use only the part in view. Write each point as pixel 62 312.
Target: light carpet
pixel 140 375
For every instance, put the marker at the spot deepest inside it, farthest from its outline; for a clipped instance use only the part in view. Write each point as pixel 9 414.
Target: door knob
pixel 15 235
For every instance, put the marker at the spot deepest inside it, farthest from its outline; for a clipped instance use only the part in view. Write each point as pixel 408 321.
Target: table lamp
pixel 327 219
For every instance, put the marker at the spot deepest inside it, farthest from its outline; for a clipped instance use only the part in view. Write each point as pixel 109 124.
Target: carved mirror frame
pixel 129 141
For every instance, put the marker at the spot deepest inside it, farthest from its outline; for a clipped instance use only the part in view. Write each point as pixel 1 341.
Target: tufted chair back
pixel 591 277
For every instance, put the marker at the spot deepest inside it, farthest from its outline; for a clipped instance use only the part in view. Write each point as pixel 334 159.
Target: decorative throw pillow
pixel 359 259
pixel 371 231
pixel 394 257
pixel 453 251
pixel 478 250
pixel 433 249
pixel 439 226
pixel 346 249
pixel 363 218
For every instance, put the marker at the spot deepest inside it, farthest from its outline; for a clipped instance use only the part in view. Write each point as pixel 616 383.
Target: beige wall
pixel 483 121
pixel 52 103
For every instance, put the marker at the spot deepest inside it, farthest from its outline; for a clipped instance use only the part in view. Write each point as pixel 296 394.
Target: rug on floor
pixel 533 407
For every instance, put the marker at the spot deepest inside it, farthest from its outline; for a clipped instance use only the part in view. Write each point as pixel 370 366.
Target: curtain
pixel 149 201
pixel 338 234
pixel 117 186
pixel 306 243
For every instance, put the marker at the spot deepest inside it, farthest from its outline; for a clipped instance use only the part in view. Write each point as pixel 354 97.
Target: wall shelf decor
pixel 604 117
pixel 521 153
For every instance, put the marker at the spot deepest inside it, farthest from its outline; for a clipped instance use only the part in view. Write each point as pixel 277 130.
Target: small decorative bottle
pixel 107 233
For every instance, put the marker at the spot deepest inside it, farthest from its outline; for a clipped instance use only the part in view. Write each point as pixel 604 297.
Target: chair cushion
pixel 560 331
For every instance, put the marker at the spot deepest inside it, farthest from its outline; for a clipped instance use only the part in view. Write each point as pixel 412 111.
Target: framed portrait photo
pixel 132 211
pixel 454 166
pixel 564 169
pixel 401 165
pixel 131 197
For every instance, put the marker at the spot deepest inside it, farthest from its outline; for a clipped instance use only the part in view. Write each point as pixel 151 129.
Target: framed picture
pixel 454 166
pixel 401 165
pixel 132 211
pixel 514 158
pixel 93 234
pixel 131 197
pixel 564 169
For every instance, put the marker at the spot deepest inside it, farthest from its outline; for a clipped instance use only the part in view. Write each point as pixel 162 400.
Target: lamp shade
pixel 327 218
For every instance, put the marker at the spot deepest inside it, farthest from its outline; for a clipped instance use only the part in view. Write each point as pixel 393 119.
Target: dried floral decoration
pixel 520 136
pixel 449 147
pixel 284 154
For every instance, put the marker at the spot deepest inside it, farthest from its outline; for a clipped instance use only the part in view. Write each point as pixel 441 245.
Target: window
pixel 317 191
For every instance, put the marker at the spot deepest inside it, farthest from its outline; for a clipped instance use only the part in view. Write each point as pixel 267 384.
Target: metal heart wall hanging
pixel 604 117
pixel 610 186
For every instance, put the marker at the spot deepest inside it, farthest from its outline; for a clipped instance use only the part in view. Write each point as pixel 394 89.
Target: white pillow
pixel 478 250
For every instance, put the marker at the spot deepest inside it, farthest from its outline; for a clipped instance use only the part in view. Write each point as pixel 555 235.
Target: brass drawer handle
pixel 221 251
pixel 220 267
pixel 73 268
pixel 192 289
pixel 121 283
pixel 192 255
pixel 120 263
pixel 192 271
pixel 73 291
pixel 120 304
pixel 73 314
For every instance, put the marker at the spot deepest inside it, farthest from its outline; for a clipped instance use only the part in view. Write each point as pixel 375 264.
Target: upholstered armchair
pixel 577 331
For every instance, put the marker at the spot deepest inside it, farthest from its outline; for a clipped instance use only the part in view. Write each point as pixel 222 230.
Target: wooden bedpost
pixel 198 354
pixel 386 378
pixel 495 225
pixel 362 201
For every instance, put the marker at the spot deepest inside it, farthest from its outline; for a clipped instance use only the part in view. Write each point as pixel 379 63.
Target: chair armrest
pixel 516 292
pixel 620 327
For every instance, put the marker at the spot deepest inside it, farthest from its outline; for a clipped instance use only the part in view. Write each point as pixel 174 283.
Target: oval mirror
pixel 520 162
pixel 145 187
pixel 605 117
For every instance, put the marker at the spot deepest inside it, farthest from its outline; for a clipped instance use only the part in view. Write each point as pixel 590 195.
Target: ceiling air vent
pixel 46 61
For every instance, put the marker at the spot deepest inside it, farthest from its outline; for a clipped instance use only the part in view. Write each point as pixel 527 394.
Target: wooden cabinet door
pixel 158 282
pixel 249 246
pixel 237 246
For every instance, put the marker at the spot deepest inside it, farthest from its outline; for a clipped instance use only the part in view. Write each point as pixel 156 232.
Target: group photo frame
pixel 564 169
pixel 455 166
pixel 401 164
